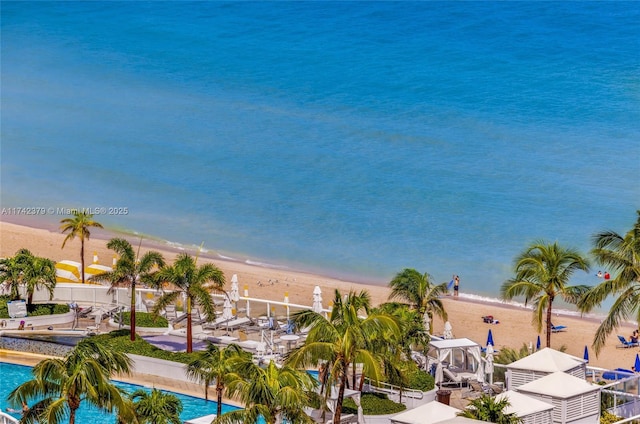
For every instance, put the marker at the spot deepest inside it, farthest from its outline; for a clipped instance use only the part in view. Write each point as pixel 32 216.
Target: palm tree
pixel 543 272
pixel 273 393
pixel 78 226
pixel 59 386
pixel 420 292
pixel 129 270
pixel 487 408
pixel 156 407
pixel 196 283
pixel 620 254
pixel 32 271
pixel 343 340
pixel 38 273
pixel 410 321
pixel 215 364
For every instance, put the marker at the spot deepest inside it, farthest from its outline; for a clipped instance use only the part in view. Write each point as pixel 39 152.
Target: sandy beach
pixel 514 330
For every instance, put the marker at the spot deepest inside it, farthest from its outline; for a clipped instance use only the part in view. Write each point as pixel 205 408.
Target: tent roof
pixel 547 360
pixel 431 412
pixel 523 405
pixel 559 385
pixel 452 343
pixel 98 268
pixel 459 420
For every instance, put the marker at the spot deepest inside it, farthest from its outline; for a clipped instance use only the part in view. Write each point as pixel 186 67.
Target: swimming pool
pixel 14 375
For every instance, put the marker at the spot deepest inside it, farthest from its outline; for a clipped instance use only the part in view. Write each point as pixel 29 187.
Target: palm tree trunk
pixel 343 383
pixel 549 324
pixel 219 392
pixel 132 332
pixel 189 334
pixel 82 259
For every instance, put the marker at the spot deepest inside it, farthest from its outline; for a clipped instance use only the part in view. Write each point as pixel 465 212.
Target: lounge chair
pixel 237 323
pixel 557 328
pixel 452 377
pixel 624 343
pixel 170 313
pixel 216 324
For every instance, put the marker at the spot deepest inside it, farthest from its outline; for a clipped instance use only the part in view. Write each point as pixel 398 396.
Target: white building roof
pixel 429 413
pixel 547 360
pixel 559 385
pixel 522 405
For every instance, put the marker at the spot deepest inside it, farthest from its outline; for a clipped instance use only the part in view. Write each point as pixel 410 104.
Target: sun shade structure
pixel 95 269
pixel 68 272
pixel 429 413
pixel 542 363
pixel 527 408
pixel 574 399
pixel 461 357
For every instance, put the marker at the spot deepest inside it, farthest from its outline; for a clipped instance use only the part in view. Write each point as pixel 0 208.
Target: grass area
pixel 119 340
pixel 145 319
pixel 373 404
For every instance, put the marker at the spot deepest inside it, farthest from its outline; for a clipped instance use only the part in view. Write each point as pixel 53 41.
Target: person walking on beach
pixel 456 284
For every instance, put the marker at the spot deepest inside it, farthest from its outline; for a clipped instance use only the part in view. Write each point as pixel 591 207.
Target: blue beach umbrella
pixel 490 338
pixel 586 354
pixel 538 343
pixel 637 364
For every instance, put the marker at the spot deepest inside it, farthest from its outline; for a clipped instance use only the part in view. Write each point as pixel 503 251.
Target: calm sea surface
pixel 351 138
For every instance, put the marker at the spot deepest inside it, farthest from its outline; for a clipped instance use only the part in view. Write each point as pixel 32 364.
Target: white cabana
pixel 68 272
pixel 530 410
pixel 461 358
pixel 541 363
pixel 574 399
pixel 429 413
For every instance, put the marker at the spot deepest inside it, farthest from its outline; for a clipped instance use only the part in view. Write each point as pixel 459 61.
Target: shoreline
pixel 465 312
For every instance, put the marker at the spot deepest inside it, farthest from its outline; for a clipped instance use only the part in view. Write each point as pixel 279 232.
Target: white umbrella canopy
pixel 226 309
pixel 317 300
pixel 448 331
pixel 234 295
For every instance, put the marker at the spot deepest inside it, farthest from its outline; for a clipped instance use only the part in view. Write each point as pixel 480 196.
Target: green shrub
pixel 145 319
pixel 373 404
pixel 40 309
pixel 416 378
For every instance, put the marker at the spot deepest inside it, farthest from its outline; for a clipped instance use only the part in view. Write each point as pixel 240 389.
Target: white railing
pixel 390 389
pixel 7 419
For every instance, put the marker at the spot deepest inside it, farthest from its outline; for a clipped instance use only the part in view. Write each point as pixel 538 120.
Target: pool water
pixel 14 375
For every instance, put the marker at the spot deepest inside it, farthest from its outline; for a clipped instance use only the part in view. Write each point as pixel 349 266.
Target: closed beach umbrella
pixel 448 331
pixel 226 309
pixel 234 295
pixel 488 366
pixel 317 300
pixel 637 364
pixel 427 322
pixel 586 354
pixel 538 343
pixel 490 338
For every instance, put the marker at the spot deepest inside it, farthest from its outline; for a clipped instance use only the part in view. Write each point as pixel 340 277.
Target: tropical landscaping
pixel 356 341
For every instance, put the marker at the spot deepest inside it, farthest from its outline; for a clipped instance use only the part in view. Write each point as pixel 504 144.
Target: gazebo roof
pixel 523 405
pixel 428 413
pixel 547 360
pixel 452 343
pixel 559 385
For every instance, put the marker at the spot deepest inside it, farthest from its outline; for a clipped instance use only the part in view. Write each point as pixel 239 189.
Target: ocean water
pixel 348 138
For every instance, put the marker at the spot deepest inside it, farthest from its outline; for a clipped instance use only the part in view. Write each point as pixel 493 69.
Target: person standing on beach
pixel 456 284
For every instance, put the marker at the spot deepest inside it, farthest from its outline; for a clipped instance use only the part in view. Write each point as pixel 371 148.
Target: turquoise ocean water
pixel 348 138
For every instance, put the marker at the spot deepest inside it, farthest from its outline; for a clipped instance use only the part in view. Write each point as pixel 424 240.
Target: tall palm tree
pixel 543 272
pixel 219 365
pixel 60 386
pixel 344 339
pixel 621 255
pixel 155 407
pixel 196 283
pixel 420 292
pixel 78 226
pixel 273 393
pixel 129 270
pixel 489 409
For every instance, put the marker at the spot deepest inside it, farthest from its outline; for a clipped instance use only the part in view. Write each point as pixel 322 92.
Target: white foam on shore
pixel 265 264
